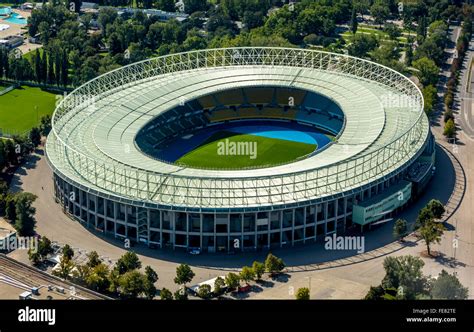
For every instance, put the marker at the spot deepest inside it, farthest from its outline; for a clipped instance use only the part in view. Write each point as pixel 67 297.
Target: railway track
pixel 35 278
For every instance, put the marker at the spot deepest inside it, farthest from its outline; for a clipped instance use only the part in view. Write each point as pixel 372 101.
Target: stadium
pixel 240 149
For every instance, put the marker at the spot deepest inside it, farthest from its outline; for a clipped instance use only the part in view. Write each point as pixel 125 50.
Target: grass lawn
pixel 383 37
pixel 216 152
pixel 30 56
pixel 22 108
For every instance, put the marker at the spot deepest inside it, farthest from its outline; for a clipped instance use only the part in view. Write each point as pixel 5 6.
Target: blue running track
pixel 271 129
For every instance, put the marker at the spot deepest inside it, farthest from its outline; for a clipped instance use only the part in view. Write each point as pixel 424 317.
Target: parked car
pixel 195 251
pixel 244 289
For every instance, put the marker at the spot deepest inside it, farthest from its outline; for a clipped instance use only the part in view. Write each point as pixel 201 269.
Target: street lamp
pixel 309 283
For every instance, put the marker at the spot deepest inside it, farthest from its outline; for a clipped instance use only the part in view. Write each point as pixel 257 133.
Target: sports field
pixel 22 108
pixel 231 150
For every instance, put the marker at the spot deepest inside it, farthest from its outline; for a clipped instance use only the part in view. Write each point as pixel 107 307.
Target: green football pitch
pixel 226 150
pixel 22 108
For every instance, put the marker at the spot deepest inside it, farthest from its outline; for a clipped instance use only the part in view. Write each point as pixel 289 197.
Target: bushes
pixel 460 52
pixel 448 115
pixel 302 293
pixel 273 264
pixel 449 129
pixel 449 99
pixel 430 96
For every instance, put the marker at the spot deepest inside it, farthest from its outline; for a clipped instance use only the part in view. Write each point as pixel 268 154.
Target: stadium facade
pixel 106 175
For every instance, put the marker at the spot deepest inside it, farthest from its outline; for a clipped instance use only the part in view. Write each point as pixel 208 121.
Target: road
pixel 457 244
pixel 465 94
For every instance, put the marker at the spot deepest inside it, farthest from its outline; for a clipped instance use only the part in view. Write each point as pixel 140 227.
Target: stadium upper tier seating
pixel 248 103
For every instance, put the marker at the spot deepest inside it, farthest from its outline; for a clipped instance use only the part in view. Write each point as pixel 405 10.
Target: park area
pixel 22 108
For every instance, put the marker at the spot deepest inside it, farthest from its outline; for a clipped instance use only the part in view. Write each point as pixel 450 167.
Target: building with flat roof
pixel 11 42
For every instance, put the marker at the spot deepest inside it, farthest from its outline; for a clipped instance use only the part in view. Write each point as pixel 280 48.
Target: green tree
pixel 106 16
pixel 427 71
pixel 3 161
pixel 421 28
pixel 50 76
pixel 204 291
pixel 362 44
pixel 67 251
pixel 404 273
pixel 165 294
pixel 353 23
pixel 151 279
pixel 114 278
pixel 424 216
pixel 431 232
pixel 151 274
pixel 11 157
pixel 65 268
pixel 448 115
pixel 375 293
pixel 380 12
pixel 166 5
pixel 184 275
pixel 43 250
pixel 80 274
pixel 232 280
pixel 44 67
pixel 436 207
pixel 35 136
pixel 44 247
pixel 98 278
pixel 273 264
pixel 388 54
pixel 219 285
pixel 392 31
pixel 191 6
pixel 45 124
pixel 93 259
pixel 37 62
pixel 10 207
pixel 34 256
pixel 181 294
pixel 259 269
pixel 430 96
pixel 64 63
pixel 247 274
pixel 302 293
pixel 3 184
pixel 448 101
pixel 57 67
pixel 25 222
pixel 128 262
pixel 400 229
pixel 449 129
pixel 132 284
pixel 448 287
pixel 409 52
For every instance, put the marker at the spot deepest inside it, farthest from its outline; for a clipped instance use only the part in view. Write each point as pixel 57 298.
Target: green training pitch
pixel 227 150
pixel 22 108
